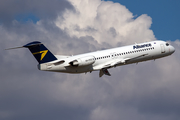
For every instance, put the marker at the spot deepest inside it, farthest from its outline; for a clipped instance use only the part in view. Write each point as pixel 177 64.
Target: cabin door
pixel 162 48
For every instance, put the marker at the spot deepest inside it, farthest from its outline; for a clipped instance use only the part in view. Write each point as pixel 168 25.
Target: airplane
pixel 100 60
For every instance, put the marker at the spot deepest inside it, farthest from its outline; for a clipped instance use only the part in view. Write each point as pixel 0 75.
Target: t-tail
pixel 39 51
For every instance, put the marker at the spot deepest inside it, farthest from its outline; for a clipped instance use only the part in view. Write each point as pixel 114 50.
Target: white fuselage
pixel 109 58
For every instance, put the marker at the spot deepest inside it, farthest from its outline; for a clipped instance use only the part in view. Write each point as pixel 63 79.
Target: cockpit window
pixel 167 44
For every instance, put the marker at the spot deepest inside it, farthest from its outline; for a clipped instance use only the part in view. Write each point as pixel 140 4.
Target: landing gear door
pixel 162 48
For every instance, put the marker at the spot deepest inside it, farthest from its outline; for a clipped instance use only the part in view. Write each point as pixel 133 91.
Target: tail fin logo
pixel 43 53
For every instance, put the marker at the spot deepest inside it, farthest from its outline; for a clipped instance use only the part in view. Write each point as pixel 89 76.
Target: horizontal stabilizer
pixel 40 52
pixel 27 45
pixel 35 43
pixel 14 48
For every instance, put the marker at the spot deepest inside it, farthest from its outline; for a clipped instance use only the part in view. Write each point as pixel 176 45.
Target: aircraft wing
pixel 110 64
pixel 103 67
pixel 116 62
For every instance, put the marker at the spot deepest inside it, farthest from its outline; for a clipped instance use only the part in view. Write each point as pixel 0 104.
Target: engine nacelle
pixel 89 60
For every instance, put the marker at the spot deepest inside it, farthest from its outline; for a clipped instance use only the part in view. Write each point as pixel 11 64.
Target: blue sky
pixel 27 17
pixel 164 13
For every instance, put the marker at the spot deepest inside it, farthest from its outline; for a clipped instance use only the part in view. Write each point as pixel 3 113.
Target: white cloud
pixel 105 21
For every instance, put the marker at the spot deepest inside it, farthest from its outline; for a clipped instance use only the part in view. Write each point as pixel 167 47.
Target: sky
pixel 148 90
pixel 164 13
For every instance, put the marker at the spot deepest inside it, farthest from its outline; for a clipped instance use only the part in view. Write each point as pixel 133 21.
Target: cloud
pixel 105 22
pixel 41 9
pixel 148 90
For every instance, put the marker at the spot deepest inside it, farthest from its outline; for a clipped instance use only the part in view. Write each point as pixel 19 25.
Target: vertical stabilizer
pixel 40 52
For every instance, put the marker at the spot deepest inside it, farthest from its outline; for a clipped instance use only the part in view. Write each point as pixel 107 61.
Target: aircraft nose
pixel 172 49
